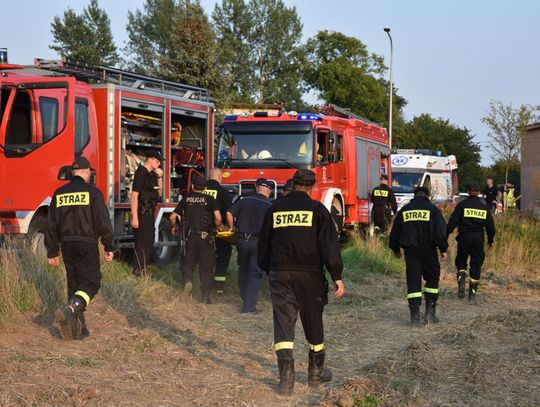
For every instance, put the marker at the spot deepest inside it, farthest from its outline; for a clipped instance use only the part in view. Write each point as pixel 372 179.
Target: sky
pixel 450 58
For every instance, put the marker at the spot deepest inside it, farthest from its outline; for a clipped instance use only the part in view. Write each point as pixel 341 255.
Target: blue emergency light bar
pixel 309 116
pixel 231 117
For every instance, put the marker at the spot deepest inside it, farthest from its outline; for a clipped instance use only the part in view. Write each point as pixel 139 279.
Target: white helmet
pixel 264 154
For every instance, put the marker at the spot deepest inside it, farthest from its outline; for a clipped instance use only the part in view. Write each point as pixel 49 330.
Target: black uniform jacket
pixel 472 216
pixel 221 195
pixel 298 235
pixel 196 209
pixel 384 196
pixel 77 214
pixel 418 227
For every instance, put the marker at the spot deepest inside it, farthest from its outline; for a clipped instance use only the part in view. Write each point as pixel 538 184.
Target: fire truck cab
pixel 347 153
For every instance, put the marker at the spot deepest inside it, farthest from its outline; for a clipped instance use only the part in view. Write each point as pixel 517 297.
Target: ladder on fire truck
pixel 87 72
pixel 334 110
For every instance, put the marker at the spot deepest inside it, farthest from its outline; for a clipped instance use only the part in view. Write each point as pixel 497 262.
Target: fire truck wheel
pixel 36 234
pixel 165 254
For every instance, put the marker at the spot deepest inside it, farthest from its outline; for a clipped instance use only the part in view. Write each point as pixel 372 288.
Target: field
pixel 148 346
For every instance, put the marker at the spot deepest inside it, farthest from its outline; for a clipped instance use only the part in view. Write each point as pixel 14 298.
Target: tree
pixel 341 70
pixel 507 127
pixel 259 50
pixel 85 37
pixel 424 131
pixel 173 39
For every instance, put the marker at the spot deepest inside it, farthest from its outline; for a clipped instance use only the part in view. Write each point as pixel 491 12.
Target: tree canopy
pixel 85 37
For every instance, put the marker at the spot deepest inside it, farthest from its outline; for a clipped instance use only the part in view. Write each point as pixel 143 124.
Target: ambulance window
pixel 49 117
pixel 19 129
pixel 82 129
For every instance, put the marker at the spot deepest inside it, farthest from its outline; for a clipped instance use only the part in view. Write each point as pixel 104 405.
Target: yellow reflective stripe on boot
pixel 414 295
pixel 316 348
pixel 462 271
pixel 472 280
pixel 84 296
pixel 431 290
pixel 283 345
pixel 220 278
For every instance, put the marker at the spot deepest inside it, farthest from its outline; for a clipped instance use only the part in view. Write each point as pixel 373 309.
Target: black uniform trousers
pixel 250 275
pixel 293 293
pixel 471 244
pixel 422 265
pixel 82 268
pixel 202 252
pixel 223 256
pixel 380 217
pixel 144 243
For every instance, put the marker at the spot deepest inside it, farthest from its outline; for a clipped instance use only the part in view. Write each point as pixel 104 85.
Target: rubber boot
pixel 461 280
pixel 286 376
pixel 317 373
pixel 84 329
pixel 70 327
pixel 473 289
pixel 431 314
pixel 415 314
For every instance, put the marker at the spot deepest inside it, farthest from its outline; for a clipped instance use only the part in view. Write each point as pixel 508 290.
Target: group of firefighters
pixel 291 240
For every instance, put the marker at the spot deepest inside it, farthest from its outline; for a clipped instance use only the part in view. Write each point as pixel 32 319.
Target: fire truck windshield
pixel 265 149
pixel 405 182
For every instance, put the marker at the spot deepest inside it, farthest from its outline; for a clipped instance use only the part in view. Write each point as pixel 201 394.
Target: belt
pixel 202 233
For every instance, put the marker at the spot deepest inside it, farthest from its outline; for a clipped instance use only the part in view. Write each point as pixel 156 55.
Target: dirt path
pixel 186 354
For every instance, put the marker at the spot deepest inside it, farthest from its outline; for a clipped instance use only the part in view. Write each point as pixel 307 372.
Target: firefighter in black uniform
pixel 249 213
pixel 78 219
pixel 144 198
pixel 471 216
pixel 383 199
pixel 419 228
pixel 223 248
pixel 297 240
pixel 201 215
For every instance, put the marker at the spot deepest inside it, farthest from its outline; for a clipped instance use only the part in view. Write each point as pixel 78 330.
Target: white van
pixel 412 168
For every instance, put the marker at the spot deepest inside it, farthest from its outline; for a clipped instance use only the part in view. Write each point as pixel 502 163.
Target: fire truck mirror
pixel 64 173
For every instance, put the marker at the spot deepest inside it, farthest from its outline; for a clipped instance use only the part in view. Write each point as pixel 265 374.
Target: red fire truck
pixel 55 111
pixel 347 152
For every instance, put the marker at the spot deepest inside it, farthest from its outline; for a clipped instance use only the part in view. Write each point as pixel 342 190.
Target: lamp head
pixel 387 29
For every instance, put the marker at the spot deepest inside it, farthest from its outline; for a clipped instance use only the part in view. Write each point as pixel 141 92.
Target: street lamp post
pixel 387 31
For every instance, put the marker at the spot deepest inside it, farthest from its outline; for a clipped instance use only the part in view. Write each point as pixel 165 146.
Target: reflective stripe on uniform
pixel 283 345
pixel 414 295
pixel 84 296
pixel 431 290
pixel 316 348
pixel 379 192
pixel 475 213
pixel 292 218
pixel 472 280
pixel 220 278
pixel 212 192
pixel 415 215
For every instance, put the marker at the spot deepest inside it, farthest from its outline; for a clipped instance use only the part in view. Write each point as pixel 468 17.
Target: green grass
pixel 367 401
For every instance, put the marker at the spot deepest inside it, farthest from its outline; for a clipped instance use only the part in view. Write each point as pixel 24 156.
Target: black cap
pixel 474 187
pixel 384 177
pixel 198 182
pixel 304 177
pixel 80 163
pixel 154 154
pixel 288 185
pixel 421 190
pixel 263 182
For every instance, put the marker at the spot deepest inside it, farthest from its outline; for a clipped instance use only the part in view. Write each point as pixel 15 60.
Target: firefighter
pixel 249 214
pixel 471 216
pixel 201 215
pixel 419 228
pixel 77 220
pixel 223 248
pixel 287 187
pixel 383 200
pixel 144 198
pixel 297 240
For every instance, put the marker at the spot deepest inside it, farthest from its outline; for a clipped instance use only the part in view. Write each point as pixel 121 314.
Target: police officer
pixel 249 213
pixel 78 219
pixel 471 216
pixel 297 240
pixel 223 248
pixel 201 215
pixel 383 199
pixel 419 228
pixel 144 198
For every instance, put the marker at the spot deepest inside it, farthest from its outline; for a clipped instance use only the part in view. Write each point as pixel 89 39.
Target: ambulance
pixel 413 168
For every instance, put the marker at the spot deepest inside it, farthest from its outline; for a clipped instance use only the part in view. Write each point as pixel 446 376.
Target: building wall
pixel 530 168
